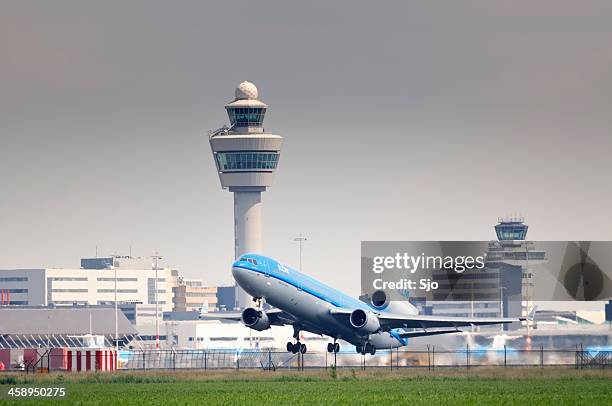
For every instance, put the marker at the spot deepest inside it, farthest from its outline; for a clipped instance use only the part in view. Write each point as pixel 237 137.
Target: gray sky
pixel 402 121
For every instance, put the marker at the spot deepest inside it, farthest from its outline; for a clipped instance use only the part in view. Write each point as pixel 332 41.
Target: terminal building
pixel 92 284
pixel 190 295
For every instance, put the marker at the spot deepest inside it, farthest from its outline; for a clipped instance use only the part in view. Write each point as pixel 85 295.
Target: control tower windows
pixel 511 231
pixel 246 116
pixel 237 161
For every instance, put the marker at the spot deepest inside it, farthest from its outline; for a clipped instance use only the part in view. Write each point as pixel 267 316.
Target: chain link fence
pixel 430 358
pixel 45 360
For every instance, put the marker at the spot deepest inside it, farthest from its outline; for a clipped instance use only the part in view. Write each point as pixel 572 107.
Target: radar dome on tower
pixel 246 90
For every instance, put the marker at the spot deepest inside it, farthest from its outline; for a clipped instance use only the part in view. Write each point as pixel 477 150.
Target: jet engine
pixel 363 321
pixel 255 319
pixel 380 300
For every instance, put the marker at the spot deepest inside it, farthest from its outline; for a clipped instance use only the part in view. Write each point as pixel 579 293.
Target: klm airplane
pixel 309 305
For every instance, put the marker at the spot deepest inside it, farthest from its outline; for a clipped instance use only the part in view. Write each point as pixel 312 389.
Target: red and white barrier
pixel 91 360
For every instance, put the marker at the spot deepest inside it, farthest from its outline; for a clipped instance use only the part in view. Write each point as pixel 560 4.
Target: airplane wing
pixel 411 334
pixel 390 321
pixel 277 317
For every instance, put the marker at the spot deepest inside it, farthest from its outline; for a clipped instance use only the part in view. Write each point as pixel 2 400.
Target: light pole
pixel 113 267
pixel 501 306
pixel 156 257
pixel 300 240
pixel 527 291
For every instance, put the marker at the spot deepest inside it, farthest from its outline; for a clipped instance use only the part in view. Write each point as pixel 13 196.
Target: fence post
pixel 428 359
pixel 576 358
pixel 397 358
pixel 433 357
pixel 541 355
pixel 505 356
pixel 144 360
pixel 467 356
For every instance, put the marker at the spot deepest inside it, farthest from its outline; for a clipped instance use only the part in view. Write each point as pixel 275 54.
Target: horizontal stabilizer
pixel 277 317
pixel 221 316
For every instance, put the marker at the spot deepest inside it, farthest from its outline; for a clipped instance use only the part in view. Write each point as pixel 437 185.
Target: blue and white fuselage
pixel 310 301
pixel 309 305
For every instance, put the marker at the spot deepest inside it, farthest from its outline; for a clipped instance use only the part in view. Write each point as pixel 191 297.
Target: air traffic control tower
pixel 246 158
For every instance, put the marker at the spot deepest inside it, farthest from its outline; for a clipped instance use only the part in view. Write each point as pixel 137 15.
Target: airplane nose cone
pixel 239 274
pixel 246 279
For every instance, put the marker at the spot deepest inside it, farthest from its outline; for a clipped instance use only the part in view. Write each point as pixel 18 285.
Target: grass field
pixel 519 386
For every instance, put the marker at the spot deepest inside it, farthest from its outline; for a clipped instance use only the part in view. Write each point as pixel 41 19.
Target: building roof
pixel 73 321
pixel 181 315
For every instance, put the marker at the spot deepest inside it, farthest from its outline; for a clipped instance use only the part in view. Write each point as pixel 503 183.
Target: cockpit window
pixel 249 260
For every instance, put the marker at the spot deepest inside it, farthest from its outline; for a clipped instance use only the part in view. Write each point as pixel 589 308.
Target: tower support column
pixel 247 229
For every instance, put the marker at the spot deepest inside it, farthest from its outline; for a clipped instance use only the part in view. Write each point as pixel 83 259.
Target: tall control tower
pixel 246 158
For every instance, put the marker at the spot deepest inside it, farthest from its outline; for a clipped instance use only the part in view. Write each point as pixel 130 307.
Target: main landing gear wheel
pixel 370 348
pixel 366 349
pixel 333 347
pixel 297 347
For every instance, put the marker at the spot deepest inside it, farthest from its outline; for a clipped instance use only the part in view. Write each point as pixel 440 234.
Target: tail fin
pixel 532 313
pixel 204 308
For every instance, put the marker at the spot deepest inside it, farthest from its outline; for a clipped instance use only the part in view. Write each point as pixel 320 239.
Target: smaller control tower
pixel 246 158
pixel 511 229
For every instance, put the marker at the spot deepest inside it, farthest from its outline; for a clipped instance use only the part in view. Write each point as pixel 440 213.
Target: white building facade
pixel 68 287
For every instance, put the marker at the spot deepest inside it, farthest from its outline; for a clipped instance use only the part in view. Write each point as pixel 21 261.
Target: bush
pixel 8 380
pixel 333 374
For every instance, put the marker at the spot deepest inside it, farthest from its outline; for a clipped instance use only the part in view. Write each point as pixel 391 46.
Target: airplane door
pixel 266 269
